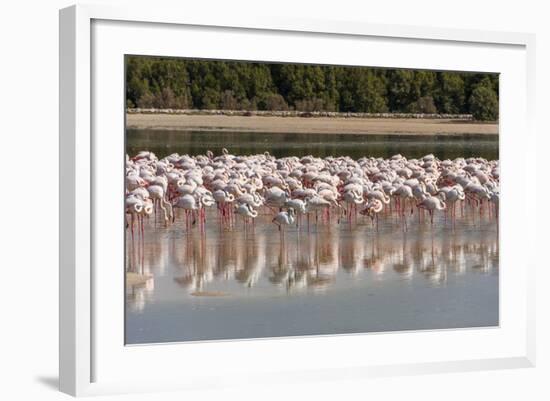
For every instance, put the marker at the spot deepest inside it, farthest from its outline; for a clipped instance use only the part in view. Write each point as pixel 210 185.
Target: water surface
pixel 165 142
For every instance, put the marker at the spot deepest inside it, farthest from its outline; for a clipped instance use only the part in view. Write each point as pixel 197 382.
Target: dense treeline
pixel 203 84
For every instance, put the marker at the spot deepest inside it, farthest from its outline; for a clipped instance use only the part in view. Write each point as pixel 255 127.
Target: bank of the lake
pixel 314 125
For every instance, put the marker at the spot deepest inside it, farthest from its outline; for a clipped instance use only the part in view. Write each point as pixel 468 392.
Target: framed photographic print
pixel 346 196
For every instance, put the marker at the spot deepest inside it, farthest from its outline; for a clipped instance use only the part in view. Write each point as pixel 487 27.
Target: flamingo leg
pixel 132 226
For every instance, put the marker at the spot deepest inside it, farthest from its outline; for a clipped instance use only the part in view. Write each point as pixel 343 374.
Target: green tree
pixel 275 101
pixel 423 105
pixel 484 103
pixel 229 101
pixel 209 84
pixel 146 101
pixel 210 99
pixel 449 95
pixel 362 90
pixel 400 89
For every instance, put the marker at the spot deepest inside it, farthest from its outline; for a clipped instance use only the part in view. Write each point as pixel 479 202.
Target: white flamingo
pixel 189 205
pixel 156 193
pixel 431 204
pixel 372 208
pixel 246 211
pixel 284 219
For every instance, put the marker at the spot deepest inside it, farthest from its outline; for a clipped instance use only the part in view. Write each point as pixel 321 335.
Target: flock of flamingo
pixel 293 190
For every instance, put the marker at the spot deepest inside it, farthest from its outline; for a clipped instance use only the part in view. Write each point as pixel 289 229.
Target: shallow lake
pixel 339 277
pixel 165 142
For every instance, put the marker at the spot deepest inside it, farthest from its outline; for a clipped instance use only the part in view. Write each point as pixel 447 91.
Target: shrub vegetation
pixel 154 82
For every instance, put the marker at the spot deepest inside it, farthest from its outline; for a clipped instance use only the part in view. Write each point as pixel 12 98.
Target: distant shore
pixel 334 124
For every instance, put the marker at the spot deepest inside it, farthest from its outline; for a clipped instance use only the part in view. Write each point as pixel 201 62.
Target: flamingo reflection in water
pixel 219 263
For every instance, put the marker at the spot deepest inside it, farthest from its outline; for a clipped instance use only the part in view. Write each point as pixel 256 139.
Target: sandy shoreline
pixel 320 125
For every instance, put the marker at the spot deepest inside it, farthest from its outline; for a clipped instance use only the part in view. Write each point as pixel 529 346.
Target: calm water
pixel 230 283
pixel 165 142
pixel 344 278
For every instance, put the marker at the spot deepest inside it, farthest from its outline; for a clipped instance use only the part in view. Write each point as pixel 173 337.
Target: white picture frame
pixel 93 358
